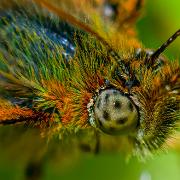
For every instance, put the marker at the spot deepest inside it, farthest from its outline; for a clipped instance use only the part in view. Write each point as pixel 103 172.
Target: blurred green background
pixel 160 19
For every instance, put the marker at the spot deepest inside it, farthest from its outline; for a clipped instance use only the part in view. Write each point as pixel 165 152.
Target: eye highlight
pixel 115 113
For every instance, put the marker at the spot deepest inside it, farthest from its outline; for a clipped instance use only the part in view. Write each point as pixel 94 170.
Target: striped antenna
pixel 162 48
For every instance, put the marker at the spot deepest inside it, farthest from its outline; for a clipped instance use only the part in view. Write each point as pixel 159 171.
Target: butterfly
pixel 86 76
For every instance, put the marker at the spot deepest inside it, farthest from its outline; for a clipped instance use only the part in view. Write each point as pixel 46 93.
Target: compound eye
pixel 115 113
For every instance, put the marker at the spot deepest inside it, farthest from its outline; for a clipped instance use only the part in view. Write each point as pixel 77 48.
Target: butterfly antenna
pixel 162 48
pixel 72 20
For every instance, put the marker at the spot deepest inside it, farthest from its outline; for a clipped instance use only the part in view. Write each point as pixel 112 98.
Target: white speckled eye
pixel 115 113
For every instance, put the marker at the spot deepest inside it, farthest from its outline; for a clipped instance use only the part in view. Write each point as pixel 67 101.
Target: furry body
pixel 51 73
